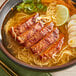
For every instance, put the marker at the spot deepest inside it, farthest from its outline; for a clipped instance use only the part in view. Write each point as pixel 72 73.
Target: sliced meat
pixel 48 40
pixel 21 28
pixel 27 35
pixel 39 35
pixel 53 49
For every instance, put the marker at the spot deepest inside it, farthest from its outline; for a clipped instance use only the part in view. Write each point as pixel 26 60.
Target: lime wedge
pixel 62 14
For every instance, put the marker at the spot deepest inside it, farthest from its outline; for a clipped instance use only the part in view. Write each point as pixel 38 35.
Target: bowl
pixel 5 14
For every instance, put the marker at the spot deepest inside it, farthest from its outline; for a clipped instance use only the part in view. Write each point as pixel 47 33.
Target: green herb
pixel 28 1
pixel 20 7
pixel 37 1
pixel 40 6
pixel 31 6
pixel 45 8
pixel 32 1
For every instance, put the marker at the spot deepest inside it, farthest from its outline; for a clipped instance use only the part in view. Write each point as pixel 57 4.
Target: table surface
pixel 67 72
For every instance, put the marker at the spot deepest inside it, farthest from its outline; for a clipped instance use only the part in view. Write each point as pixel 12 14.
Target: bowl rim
pixel 38 68
pixel 3 4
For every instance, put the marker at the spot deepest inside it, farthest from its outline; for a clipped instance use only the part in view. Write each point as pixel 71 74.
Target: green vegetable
pixel 45 8
pixel 20 7
pixel 31 6
pixel 40 6
pixel 27 6
pixel 37 1
pixel 32 1
pixel 28 1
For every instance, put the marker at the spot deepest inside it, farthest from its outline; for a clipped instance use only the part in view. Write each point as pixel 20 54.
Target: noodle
pixel 26 55
pixel 51 11
pixel 68 3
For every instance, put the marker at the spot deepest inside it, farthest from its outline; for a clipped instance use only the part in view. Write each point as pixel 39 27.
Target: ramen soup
pixel 43 32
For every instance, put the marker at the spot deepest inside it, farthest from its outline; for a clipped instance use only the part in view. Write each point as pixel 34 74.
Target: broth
pixel 67 53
